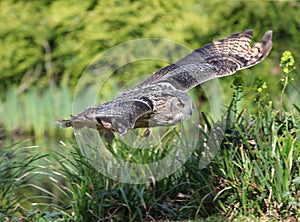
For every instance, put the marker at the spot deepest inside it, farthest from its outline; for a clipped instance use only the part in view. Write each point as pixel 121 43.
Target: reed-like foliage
pixel 35 112
pixel 17 166
pixel 259 163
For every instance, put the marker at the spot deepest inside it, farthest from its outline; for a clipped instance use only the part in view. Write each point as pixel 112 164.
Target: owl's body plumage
pixel 161 99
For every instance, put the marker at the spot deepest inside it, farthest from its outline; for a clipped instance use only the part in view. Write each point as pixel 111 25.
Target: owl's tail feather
pixel 79 121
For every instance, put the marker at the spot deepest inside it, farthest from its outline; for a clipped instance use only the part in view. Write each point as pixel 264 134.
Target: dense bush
pixel 45 41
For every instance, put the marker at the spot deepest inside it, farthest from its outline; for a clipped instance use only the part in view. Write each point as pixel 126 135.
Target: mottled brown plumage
pixel 161 99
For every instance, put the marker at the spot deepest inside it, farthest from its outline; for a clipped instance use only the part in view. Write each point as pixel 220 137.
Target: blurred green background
pixel 46 45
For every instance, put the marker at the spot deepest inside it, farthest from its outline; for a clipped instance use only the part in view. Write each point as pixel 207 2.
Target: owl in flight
pixel 162 99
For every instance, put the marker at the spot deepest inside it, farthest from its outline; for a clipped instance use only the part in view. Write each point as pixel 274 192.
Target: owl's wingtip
pixel 267 43
pixel 267 36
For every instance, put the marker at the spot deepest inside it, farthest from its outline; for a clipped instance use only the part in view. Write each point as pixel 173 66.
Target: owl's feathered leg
pixel 107 135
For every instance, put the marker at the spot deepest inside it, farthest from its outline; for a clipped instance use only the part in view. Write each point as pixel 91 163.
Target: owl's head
pixel 171 108
pixel 181 107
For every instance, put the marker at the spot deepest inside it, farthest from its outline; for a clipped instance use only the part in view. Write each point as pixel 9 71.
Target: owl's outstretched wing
pixel 219 58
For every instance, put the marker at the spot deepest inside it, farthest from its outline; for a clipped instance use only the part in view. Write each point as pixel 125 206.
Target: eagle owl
pixel 161 100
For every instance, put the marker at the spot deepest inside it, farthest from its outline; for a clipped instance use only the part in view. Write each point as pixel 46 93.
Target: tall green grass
pixel 17 166
pixel 259 164
pixel 27 189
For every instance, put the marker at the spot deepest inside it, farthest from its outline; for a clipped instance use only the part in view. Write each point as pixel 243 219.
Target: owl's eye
pixel 180 105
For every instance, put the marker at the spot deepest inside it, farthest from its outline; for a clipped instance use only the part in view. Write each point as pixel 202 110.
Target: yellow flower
pixel 287 62
pixel 264 85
